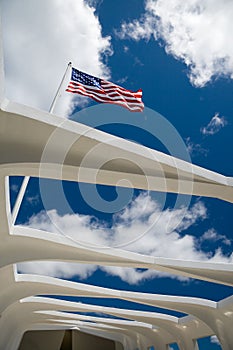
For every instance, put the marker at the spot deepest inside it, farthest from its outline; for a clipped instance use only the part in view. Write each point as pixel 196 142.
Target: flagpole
pixel 26 179
pixel 59 88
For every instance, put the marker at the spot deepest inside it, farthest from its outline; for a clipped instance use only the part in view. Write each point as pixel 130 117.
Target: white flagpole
pixel 26 179
pixel 59 89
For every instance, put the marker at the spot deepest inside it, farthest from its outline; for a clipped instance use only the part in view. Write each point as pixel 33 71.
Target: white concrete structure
pixel 29 147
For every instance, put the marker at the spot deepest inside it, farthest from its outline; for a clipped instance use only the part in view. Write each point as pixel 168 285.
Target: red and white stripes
pixel 110 93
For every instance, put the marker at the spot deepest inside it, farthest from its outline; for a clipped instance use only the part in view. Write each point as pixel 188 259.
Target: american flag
pixel 104 91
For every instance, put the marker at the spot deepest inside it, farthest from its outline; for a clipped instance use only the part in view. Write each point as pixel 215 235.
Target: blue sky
pixel 184 64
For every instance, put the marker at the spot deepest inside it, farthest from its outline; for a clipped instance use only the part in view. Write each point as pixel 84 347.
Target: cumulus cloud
pixel 213 236
pixel 40 38
pixel 57 269
pixel 213 127
pixel 32 200
pixel 195 149
pixel 198 32
pixel 142 227
pixel 14 188
pixel 215 124
pixel 214 340
pixel 170 347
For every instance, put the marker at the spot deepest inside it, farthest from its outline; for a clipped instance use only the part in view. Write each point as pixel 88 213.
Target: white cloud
pixel 32 200
pixel 141 227
pixel 14 188
pixel 57 269
pixel 214 236
pixel 213 127
pixel 171 347
pixel 215 124
pixel 195 149
pixel 198 32
pixel 40 38
pixel 214 340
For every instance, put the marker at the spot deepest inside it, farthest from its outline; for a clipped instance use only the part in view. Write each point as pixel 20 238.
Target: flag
pixel 104 91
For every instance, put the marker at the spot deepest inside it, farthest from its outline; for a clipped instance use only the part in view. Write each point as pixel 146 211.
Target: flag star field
pixel 85 78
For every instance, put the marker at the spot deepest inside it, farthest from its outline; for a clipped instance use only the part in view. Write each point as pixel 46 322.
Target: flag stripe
pixel 101 98
pixel 72 84
pixel 132 106
pixel 104 98
pixel 104 91
pixel 108 85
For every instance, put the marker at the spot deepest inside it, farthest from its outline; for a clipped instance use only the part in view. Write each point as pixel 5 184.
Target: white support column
pixel 2 75
pixel 195 343
pixel 5 213
pixel 19 199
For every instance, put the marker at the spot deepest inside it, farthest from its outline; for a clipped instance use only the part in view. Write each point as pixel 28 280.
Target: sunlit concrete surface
pixel 29 147
pixel 143 168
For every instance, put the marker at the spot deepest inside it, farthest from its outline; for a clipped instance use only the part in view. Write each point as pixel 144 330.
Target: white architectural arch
pixel 23 154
